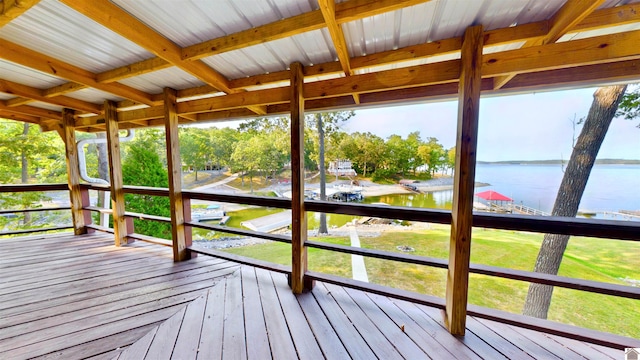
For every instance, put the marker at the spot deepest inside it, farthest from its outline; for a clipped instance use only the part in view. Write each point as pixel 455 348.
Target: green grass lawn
pixel 586 258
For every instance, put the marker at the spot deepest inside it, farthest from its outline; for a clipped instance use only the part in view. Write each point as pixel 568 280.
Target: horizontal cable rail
pixel 382 211
pixel 250 233
pixel 98 209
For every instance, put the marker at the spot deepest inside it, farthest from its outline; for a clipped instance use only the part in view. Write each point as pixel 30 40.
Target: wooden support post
pixel 180 252
pixel 464 181
pixel 115 174
pixel 73 172
pixel 298 213
pixel 86 214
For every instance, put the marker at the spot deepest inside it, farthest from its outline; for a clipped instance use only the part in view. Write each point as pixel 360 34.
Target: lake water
pixel 610 187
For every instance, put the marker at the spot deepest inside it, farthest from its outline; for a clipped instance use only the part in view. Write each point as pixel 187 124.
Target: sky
pixel 534 126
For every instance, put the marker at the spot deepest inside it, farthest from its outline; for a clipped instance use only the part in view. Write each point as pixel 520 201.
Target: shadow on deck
pixel 68 297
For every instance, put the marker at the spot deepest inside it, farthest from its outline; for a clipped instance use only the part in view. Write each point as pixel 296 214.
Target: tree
pixel 574 181
pixel 451 159
pixel 143 167
pixel 432 154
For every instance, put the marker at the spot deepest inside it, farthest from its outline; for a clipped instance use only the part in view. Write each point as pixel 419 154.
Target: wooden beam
pixel 174 164
pixel 569 15
pixel 11 9
pixel 328 9
pixel 464 181
pixel 113 17
pixel 35 60
pixel 63 89
pixel 298 213
pixel 594 50
pixel 7 114
pixel 73 173
pixel 31 111
pixel 11 87
pixel 115 174
pixel 131 70
pixel 116 19
pixel 313 20
pixel 613 16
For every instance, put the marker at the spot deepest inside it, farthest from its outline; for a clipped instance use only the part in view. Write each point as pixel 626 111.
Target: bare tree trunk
pixel 322 229
pixel 103 166
pixel 603 109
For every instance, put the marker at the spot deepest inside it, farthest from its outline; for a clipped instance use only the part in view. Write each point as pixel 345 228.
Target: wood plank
pixel 382 347
pixel 104 287
pixel 330 343
pixel 100 349
pixel 174 165
pixel 80 337
pixel 256 329
pixel 234 344
pixel 500 342
pixel 115 174
pixel 36 94
pixel 511 334
pixel 298 213
pixel 212 326
pixel 162 344
pixel 395 334
pixel 138 350
pixel 540 339
pixel 410 326
pixel 464 180
pixel 189 336
pixel 303 338
pixel 279 337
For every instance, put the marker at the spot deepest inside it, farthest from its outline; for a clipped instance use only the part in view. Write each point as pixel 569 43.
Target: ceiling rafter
pixel 114 18
pixel 602 49
pixel 569 15
pixel 20 55
pixel 619 15
pixel 25 91
pixel 31 111
pixel 313 20
pixel 328 9
pixel 11 9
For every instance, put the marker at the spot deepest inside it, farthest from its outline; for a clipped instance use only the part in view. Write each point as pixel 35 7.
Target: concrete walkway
pixel 217 183
pixel 357 261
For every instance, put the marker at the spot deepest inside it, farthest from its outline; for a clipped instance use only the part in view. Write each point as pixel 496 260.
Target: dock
pixel 270 222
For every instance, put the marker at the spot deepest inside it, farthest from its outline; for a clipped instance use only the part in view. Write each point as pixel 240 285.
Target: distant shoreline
pixel 560 162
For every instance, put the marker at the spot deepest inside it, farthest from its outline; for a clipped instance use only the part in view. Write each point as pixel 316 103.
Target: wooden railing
pixel 34 188
pixel 605 229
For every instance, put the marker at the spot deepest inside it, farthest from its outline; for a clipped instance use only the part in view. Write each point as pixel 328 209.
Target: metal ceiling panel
pixel 46 106
pixel 93 96
pixel 313 47
pixel 438 20
pixel 189 22
pixel 60 32
pixel 26 76
pixel 155 81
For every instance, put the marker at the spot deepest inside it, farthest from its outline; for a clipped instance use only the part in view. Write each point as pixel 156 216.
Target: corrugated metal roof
pixel 313 47
pixel 155 81
pixel 24 75
pixel 54 29
pixel 188 22
pixel 93 96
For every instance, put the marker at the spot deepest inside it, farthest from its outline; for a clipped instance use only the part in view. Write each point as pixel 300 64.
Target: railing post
pixel 188 230
pixel 180 244
pixel 298 281
pixel 86 214
pixel 115 174
pixel 73 172
pixel 464 181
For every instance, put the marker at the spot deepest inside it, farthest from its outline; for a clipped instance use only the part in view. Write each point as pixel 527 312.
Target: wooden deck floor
pixel 71 297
